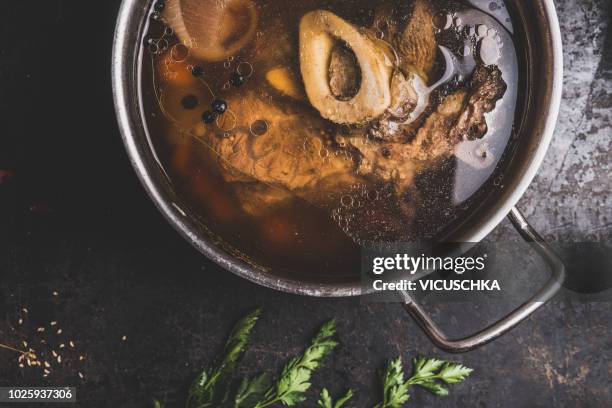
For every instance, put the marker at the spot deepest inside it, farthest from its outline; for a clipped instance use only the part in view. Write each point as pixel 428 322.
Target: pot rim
pixel 124 50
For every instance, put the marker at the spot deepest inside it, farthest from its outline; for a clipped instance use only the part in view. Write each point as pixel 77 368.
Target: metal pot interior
pixel 533 129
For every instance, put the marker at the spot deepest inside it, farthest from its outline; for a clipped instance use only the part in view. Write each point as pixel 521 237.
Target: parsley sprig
pixel 205 391
pixel 326 401
pixel 430 373
pixel 291 386
pixel 217 386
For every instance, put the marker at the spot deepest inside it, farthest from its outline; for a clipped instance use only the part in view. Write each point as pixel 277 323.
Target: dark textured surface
pixel 73 219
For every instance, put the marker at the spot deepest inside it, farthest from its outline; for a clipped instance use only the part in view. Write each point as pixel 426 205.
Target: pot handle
pixel 513 318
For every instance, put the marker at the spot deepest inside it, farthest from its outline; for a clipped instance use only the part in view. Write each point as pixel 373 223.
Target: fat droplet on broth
pixel 482 30
pixel 466 50
pixel 227 121
pixel 153 48
pixel 347 201
pixel 245 69
pixel 490 50
pixel 259 127
pixel 179 52
pixel 442 20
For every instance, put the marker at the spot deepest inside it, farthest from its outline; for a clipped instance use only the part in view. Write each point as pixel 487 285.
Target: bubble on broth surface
pixel 347 201
pixel 227 121
pixel 245 69
pixel 482 30
pixel 465 50
pixel 443 20
pixel 490 50
pixel 259 127
pixel 179 52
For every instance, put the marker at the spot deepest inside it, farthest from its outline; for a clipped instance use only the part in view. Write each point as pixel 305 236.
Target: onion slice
pixel 212 29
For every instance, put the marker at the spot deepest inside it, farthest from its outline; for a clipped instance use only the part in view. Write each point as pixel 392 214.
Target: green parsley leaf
pixel 426 367
pixel 430 374
pixel 326 401
pixel 453 373
pixel 205 391
pixel 251 390
pixel 294 381
pixel 395 389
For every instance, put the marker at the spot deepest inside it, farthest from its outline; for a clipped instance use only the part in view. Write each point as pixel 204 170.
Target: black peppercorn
pixel 197 71
pixel 219 106
pixel 209 117
pixel 159 6
pixel 237 79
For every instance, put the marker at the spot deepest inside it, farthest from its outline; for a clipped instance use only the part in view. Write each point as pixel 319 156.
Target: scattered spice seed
pixel 62 345
pixel 71 343
pixel 59 331
pixel 20 321
pixel 25 343
pixel 54 353
pixel 81 358
pixel 59 359
pixel 47 371
pixel 80 375
pixel 53 323
pixel 40 329
pixel 124 338
pixel 47 364
pixel 25 310
pixel 55 293
pixel 21 365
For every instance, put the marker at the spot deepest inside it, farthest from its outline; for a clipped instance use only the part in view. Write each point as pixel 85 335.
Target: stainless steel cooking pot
pixel 544 76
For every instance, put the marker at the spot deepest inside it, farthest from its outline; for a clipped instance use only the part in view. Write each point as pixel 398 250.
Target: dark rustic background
pixel 74 220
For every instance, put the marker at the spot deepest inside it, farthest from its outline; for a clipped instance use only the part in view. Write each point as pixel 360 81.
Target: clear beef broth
pixel 300 181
